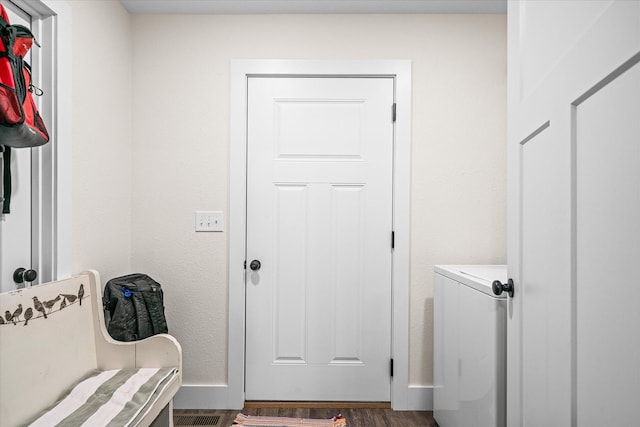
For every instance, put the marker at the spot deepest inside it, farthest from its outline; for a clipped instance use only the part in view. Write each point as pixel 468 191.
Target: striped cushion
pixel 107 398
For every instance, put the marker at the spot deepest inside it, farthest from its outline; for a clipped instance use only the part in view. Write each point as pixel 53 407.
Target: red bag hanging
pixel 20 122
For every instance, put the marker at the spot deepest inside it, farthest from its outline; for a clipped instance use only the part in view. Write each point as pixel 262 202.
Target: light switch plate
pixel 209 221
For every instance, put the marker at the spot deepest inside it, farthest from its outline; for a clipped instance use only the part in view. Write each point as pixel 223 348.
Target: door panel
pixel 573 209
pixel 319 220
pixel 546 322
pixel 15 228
pixel 607 151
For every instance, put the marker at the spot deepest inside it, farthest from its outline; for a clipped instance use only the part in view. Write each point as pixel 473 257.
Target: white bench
pixel 42 358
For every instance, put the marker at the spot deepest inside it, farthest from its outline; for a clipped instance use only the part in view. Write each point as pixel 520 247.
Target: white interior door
pixel 319 218
pixel 15 227
pixel 574 204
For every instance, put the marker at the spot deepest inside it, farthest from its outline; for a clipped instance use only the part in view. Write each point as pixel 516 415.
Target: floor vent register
pixel 196 420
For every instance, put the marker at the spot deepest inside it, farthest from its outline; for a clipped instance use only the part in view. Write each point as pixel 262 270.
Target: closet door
pixel 16 226
pixel 574 204
pixel 319 222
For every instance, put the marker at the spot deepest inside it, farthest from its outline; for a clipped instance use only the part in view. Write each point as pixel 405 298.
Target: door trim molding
pixel 240 70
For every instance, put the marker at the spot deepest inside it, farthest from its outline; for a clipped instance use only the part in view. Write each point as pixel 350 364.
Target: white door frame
pixel 240 70
pixel 51 200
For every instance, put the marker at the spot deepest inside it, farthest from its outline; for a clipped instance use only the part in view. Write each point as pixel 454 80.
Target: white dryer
pixel 470 330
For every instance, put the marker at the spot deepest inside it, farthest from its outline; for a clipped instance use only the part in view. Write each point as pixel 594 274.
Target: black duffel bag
pixel 134 307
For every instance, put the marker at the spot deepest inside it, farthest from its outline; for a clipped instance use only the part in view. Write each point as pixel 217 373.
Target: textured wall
pixel 151 114
pixel 101 195
pixel 180 151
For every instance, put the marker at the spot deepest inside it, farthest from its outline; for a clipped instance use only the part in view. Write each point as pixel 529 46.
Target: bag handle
pixel 6 178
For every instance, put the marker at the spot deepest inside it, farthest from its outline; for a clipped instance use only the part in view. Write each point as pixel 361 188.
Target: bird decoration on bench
pixel 49 304
pixel 9 317
pixel 27 315
pixel 43 307
pixel 80 293
pixel 17 313
pixel 38 306
pixel 69 297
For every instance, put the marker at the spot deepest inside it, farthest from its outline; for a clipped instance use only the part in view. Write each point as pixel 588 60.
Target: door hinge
pixel 391 368
pixel 393 112
pixel 245 264
pixel 393 240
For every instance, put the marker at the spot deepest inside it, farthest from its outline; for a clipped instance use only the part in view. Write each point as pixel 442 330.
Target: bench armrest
pixel 157 351
pixel 162 351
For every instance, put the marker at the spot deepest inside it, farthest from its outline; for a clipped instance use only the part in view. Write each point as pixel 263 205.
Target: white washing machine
pixel 470 337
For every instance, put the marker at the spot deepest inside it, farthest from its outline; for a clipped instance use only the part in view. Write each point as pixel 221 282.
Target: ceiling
pixel 312 6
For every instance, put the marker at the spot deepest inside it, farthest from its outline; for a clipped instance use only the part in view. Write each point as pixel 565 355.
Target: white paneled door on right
pixel 319 221
pixel 574 217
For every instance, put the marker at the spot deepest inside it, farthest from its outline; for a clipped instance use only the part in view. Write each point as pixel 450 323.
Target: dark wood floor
pixel 355 416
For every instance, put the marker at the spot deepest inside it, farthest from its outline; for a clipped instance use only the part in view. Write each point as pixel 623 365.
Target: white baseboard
pixel 419 398
pixel 204 397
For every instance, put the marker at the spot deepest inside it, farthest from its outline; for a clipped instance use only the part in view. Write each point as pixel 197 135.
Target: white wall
pixel 102 119
pixel 151 131
pixel 180 134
